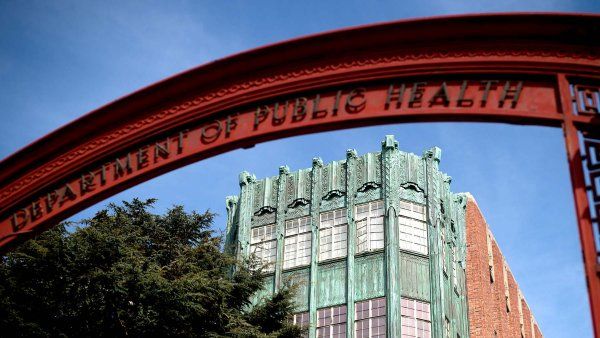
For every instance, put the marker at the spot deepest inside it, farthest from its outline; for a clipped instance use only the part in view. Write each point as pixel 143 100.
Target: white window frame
pixel 370 226
pixel 412 227
pixel 334 319
pixel 490 256
pixel 333 234
pixel 297 245
pixel 422 324
pixel 302 320
pixel 263 244
pixel 373 316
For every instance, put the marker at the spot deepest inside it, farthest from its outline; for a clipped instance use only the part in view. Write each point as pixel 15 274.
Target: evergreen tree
pixel 129 272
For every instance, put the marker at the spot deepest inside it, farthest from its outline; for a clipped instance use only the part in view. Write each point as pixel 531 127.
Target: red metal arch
pixel 537 69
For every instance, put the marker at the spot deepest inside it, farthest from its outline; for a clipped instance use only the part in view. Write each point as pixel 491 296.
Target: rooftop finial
pixel 447 178
pixel 284 170
pixel 246 178
pixel 389 142
pixel 230 201
pixel 434 153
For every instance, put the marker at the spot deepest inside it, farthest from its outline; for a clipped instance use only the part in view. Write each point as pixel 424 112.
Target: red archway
pixel 534 69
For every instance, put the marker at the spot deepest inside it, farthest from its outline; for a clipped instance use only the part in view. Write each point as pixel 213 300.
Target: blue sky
pixel 61 59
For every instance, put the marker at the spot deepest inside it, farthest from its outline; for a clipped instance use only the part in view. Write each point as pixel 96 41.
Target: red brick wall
pixel 486 300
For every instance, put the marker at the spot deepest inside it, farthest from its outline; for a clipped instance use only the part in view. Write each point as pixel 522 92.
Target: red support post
pixel 582 204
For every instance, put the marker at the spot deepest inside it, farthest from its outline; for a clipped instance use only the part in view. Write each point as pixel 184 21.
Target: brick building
pixel 497 307
pixel 377 246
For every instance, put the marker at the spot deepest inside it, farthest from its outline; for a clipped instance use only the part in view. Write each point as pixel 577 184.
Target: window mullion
pixel 369 321
pixel 368 228
pixel 331 322
pixel 415 316
pixel 368 240
pixel 297 246
pixel 330 244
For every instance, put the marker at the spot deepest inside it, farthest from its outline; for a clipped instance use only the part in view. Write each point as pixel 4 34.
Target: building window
pixel 333 233
pixel 416 320
pixel 331 322
pixel 302 320
pixel 297 243
pixel 370 318
pixel 263 245
pixel 413 228
pixel 520 308
pixel 369 226
pixel 490 257
pixel 506 290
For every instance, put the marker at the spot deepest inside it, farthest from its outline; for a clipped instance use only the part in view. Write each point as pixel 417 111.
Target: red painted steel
pixel 507 68
pixel 582 205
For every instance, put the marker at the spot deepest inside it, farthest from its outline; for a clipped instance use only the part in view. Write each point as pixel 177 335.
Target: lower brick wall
pixel 488 313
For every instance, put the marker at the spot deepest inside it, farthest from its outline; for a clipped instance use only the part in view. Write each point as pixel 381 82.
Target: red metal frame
pixel 541 64
pixel 582 206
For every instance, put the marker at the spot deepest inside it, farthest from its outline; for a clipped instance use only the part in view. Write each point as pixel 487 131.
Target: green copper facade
pixel 409 248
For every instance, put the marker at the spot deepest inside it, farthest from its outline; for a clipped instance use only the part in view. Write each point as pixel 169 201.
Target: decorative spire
pixel 447 179
pixel 389 142
pixel 317 162
pixel 231 201
pixel 284 170
pixel 246 178
pixel 434 153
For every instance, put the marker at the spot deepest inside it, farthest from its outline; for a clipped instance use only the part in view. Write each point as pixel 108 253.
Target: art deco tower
pixel 378 246
pixel 375 243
